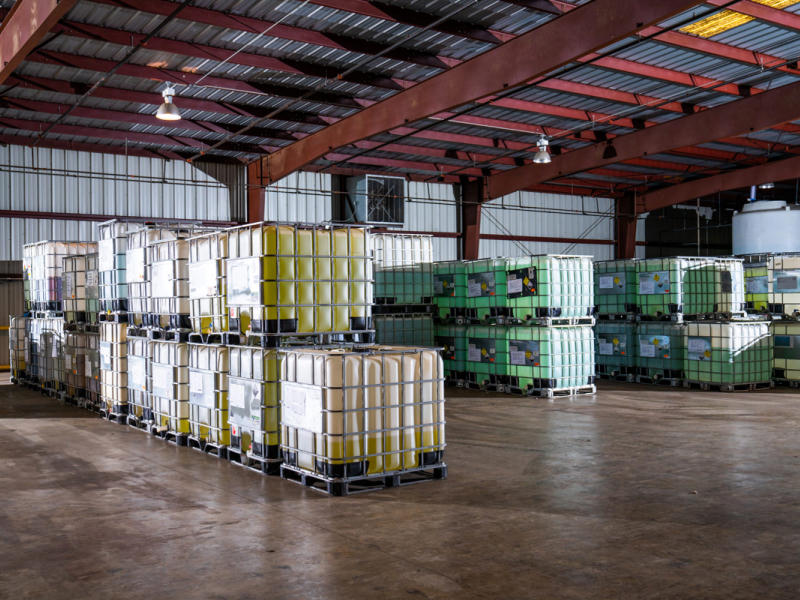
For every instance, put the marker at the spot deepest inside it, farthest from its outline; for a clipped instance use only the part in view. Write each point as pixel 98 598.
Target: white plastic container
pixel 169 385
pixel 208 393
pixel 169 284
pixel 361 413
pixel 43 265
pixel 111 249
pixel 400 249
pixel 207 310
pixel 139 357
pixel 80 289
pixel 114 366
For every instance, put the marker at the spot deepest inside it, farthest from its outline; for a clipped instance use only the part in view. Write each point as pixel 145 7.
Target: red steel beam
pixel 778 170
pixel 236 22
pixel 625 227
pixel 472 197
pixel 755 113
pixel 533 54
pixel 24 27
pixel 256 195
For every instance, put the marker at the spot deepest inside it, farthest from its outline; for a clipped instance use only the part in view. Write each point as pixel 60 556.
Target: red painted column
pixel 625 227
pixel 473 194
pixel 255 192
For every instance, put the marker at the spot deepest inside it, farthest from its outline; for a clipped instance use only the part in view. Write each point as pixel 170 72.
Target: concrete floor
pixel 640 492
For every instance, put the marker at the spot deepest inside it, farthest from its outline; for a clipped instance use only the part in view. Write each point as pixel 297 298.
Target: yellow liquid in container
pixel 358 273
pixel 324 271
pixel 305 281
pixel 341 274
pixel 279 272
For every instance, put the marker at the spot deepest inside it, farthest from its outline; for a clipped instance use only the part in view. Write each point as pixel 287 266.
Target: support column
pixel 255 192
pixel 473 194
pixel 625 227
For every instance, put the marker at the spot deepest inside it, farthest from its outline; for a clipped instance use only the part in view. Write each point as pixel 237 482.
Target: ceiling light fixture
pixel 766 186
pixel 168 111
pixel 610 151
pixel 542 156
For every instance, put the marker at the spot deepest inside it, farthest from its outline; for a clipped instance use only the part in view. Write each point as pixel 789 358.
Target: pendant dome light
pixel 168 111
pixel 542 156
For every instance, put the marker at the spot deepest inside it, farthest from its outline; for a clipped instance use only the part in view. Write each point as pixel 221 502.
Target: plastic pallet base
pixel 210 339
pixel 581 390
pixel 137 423
pixel 616 317
pixel 267 340
pixel 665 381
pixel 356 485
pixel 727 387
pixel 116 317
pixel 792 383
pixel 390 308
pixel 114 417
pixel 210 448
pixel 168 335
pixel 266 466
pixel 615 376
pixel 137 332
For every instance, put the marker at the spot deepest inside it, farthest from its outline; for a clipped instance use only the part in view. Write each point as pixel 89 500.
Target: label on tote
pixel 105 356
pixel 656 282
pixel 786 281
pixel 301 406
pixel 91 279
pixel 481 284
pixel 654 346
pixel 134 265
pixel 244 403
pixel 757 285
pixel 137 373
pixel 444 285
pixel 203 279
pixel 69 285
pixel 524 353
pixel 481 350
pixel 448 345
pixel 201 388
pixel 522 282
pixel 161 279
pixel 612 283
pixel 605 348
pixel 699 348
pixel 243 281
pixel 162 376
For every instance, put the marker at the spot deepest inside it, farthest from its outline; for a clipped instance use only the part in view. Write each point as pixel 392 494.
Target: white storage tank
pixel 766 226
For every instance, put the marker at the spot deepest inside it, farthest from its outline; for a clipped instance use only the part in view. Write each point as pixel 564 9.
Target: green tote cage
pixel 728 355
pixel 786 352
pixel 660 352
pixel 615 349
pixel 450 290
pixel 526 289
pixel 452 339
pixel 615 287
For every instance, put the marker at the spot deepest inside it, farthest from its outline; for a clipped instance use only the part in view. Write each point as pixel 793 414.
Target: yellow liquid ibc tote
pixel 324 274
pixel 341 278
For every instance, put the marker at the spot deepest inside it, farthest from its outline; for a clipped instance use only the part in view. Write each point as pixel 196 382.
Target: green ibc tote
pixel 728 354
pixel 482 367
pixel 660 351
pixel 453 341
pixel 786 352
pixel 548 358
pixel 529 288
pixel 615 349
pixel 615 287
pixel 691 286
pixel 404 285
pixel 450 289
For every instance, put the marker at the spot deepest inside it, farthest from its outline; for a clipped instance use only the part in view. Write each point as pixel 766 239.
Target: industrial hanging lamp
pixel 542 156
pixel 168 111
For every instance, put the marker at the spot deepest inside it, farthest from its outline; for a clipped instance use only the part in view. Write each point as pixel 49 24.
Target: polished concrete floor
pixel 639 492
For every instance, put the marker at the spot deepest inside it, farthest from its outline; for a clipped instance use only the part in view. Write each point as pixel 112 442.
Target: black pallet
pixel 120 418
pixel 457 316
pixel 269 340
pixel 138 423
pixel 266 466
pixel 206 447
pixel 210 339
pixel 389 308
pixel 666 381
pixel 617 376
pixel 792 383
pixel 78 318
pixel 616 317
pixel 115 317
pixel 168 335
pixel 66 398
pixel 172 437
pixel 137 332
pixel 368 483
pixel 727 387
pixel 48 314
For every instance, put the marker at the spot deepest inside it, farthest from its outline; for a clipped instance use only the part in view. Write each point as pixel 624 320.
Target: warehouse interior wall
pixel 574 224
pixel 47 180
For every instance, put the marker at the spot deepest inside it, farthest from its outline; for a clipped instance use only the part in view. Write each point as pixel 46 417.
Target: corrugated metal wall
pixel 432 207
pixel 66 181
pixel 533 214
pixel 302 197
